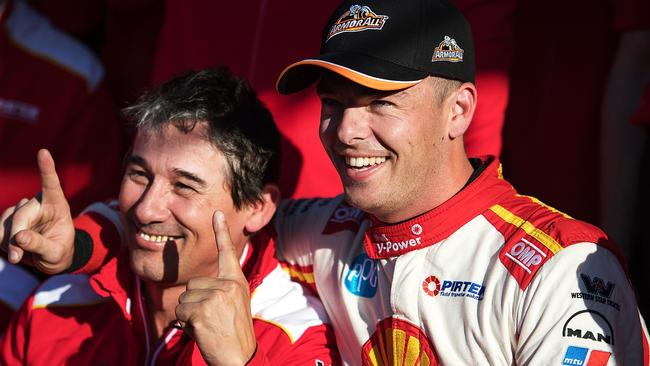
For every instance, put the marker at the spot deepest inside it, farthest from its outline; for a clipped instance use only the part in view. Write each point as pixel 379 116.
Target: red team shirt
pixel 100 320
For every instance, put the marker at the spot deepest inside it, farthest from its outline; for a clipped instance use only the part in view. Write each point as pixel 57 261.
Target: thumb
pixel 229 266
pixel 51 190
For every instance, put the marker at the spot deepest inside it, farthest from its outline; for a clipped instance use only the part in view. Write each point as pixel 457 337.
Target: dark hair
pixel 238 124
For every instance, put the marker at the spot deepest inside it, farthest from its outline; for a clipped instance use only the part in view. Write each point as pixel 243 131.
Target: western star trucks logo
pixel 357 19
pixel 448 50
pixel 433 287
pixel 597 290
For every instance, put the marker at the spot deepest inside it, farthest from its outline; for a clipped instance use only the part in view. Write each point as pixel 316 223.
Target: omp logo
pixel 19 110
pixel 432 286
pixel 398 342
pixel 344 213
pixel 577 356
pixel 357 19
pixel 361 279
pixel 526 255
pixel 448 50
pixel 597 286
pixel 590 325
pixel 344 218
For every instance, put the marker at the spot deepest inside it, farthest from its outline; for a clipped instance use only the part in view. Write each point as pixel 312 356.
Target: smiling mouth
pixel 157 238
pixel 364 162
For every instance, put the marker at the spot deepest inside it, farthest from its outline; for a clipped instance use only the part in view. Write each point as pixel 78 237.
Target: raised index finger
pixel 50 185
pixel 229 266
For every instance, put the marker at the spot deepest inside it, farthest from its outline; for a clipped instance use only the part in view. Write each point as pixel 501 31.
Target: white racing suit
pixel 490 277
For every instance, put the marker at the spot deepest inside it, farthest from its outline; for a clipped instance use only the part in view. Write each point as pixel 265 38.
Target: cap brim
pixel 364 70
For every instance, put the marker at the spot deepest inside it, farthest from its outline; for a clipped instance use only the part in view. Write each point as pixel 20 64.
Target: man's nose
pixel 153 204
pixel 354 125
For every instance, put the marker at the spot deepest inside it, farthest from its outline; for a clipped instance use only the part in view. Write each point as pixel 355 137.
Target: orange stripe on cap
pixel 356 76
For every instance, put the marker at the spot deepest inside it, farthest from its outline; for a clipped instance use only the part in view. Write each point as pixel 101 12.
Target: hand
pixel 39 231
pixel 217 311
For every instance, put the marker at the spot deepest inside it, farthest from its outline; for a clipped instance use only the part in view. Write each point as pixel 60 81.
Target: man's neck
pixel 446 183
pixel 161 306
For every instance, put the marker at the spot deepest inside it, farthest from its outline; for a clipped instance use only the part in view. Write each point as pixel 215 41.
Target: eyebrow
pixel 190 176
pixel 138 160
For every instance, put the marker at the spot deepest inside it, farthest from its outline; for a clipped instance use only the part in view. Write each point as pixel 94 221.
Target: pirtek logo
pixel 357 19
pixel 526 254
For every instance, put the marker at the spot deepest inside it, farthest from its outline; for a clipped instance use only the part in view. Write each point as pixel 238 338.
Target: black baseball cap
pixel 389 45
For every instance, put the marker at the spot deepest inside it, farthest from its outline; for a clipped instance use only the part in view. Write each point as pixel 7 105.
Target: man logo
pixel 357 19
pixel 590 325
pixel 597 286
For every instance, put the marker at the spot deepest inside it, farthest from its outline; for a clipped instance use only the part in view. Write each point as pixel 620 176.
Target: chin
pixel 359 200
pixel 146 268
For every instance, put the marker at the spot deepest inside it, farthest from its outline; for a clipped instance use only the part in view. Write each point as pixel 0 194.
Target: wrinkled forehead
pixel 174 148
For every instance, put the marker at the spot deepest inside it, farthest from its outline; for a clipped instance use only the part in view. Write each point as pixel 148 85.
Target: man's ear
pixel 462 109
pixel 262 212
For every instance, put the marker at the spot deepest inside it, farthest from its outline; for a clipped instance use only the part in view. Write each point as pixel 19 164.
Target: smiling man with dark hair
pixel 188 288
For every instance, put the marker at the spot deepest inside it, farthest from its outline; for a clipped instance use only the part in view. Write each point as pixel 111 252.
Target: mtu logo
pixel 578 356
pixel 361 280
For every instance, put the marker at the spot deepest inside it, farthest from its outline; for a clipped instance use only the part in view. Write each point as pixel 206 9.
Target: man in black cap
pixel 430 257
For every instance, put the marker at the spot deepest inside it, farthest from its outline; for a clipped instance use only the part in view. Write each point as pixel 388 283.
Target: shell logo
pixel 397 342
pixel 431 285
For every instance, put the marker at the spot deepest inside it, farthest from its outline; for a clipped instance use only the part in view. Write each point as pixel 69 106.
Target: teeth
pixel 363 162
pixel 157 238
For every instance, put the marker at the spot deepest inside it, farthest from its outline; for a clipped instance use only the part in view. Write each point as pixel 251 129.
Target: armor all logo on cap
pixel 448 50
pixel 357 19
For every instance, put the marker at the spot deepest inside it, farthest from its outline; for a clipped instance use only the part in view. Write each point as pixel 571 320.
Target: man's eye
pixel 329 102
pixel 183 187
pixel 381 103
pixel 136 175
